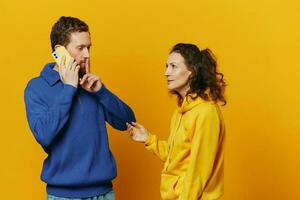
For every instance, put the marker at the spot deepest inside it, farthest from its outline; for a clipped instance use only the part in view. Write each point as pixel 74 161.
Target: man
pixel 67 107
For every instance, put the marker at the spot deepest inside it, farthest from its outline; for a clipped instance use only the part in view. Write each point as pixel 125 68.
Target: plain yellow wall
pixel 257 43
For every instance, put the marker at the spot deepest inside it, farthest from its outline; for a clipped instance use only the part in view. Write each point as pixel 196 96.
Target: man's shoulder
pixel 41 78
pixel 35 84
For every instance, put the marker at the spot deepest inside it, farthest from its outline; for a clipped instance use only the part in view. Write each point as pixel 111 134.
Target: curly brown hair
pixel 62 29
pixel 205 81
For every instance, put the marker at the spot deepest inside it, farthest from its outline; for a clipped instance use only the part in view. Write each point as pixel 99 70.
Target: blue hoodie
pixel 69 124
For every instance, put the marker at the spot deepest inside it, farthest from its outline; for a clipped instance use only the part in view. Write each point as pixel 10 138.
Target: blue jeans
pixel 107 196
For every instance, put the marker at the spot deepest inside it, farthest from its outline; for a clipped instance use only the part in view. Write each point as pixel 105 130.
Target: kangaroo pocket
pixel 170 187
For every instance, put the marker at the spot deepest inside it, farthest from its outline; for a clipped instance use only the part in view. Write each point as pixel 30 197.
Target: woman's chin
pixel 171 89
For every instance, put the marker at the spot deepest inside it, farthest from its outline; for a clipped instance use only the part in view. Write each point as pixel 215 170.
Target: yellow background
pixel 257 44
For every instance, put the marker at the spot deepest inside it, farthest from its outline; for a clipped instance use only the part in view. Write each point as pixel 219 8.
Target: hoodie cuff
pixel 102 92
pixel 150 140
pixel 67 94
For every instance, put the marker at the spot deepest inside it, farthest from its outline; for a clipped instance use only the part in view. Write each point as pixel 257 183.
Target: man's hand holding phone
pixel 67 66
pixel 69 74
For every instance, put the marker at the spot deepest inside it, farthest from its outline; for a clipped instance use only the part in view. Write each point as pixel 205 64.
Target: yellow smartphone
pixel 59 53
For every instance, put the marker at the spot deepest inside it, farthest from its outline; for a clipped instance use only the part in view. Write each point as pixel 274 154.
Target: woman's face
pixel 177 74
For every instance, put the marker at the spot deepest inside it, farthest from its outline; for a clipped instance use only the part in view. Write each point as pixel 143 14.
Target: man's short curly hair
pixel 62 29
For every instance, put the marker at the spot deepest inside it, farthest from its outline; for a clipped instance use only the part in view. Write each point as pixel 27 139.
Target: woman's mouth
pixel 169 81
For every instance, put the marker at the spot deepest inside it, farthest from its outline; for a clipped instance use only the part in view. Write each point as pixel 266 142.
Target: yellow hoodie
pixel 194 153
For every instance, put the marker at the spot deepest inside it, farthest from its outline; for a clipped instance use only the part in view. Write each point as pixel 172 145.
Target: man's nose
pixel 86 53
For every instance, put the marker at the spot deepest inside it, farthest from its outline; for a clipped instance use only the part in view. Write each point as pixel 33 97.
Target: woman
pixel 194 153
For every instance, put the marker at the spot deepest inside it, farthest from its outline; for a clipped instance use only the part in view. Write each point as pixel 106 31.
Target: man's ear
pixel 58 45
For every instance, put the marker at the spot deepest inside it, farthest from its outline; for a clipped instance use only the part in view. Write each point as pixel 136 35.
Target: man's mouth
pixel 81 72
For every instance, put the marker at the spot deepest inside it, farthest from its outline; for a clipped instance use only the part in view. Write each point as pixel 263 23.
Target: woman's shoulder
pixel 207 106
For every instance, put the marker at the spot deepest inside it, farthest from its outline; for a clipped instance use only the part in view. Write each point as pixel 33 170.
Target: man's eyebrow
pixel 83 45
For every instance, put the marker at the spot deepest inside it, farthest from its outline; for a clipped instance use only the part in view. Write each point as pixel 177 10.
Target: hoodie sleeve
pixel 117 113
pixel 46 121
pixel 159 147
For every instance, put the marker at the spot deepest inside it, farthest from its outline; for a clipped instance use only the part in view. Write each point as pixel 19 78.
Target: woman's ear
pixel 191 74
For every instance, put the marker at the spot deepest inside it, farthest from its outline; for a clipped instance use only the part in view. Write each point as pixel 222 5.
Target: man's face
pixel 79 48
